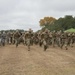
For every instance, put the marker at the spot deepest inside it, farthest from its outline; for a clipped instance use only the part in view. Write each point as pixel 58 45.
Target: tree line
pixel 62 23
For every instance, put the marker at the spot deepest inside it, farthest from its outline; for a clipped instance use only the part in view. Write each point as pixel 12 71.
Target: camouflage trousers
pixel 58 41
pixel 64 42
pixel 71 42
pixel 0 41
pixel 3 41
pixel 45 45
pixel 16 41
pixel 53 41
pixel 13 40
pixel 8 40
pixel 24 40
pixel 40 42
pixel 28 44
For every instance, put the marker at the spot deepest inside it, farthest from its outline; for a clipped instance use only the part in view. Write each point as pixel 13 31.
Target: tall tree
pixel 46 21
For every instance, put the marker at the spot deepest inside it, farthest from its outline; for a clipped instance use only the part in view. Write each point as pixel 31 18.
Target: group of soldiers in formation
pixel 44 38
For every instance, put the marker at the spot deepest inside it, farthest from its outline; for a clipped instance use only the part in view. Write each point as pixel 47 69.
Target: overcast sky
pixel 25 14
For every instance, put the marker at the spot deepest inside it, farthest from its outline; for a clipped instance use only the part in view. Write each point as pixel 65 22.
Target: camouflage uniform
pixel 13 37
pixel 36 38
pixel 64 40
pixel 46 39
pixel 50 38
pixel 3 38
pixel 45 44
pixel 23 37
pixel 58 39
pixel 0 38
pixel 69 38
pixel 72 39
pixel 17 36
pixel 9 37
pixel 41 39
pixel 53 38
pixel 29 39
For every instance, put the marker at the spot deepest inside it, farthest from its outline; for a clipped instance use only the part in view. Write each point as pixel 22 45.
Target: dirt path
pixel 20 61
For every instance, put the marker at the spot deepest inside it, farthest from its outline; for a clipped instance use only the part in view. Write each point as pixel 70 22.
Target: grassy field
pixel 20 61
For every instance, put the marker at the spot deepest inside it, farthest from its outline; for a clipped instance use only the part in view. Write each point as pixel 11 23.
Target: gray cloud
pixel 26 14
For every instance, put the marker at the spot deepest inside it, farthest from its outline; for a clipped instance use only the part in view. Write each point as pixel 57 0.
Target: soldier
pixel 29 38
pixel 23 37
pixel 36 38
pixel 50 38
pixel 17 36
pixel 53 38
pixel 0 38
pixel 58 41
pixel 64 40
pixel 69 38
pixel 72 39
pixel 41 39
pixel 46 35
pixel 9 37
pixel 45 44
pixel 45 39
pixel 13 38
pixel 3 38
